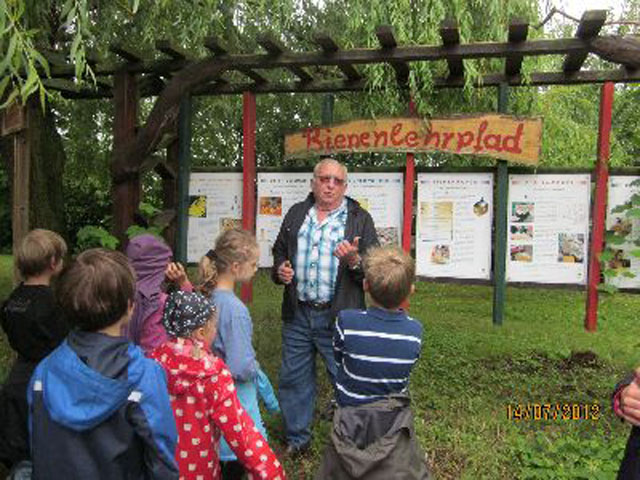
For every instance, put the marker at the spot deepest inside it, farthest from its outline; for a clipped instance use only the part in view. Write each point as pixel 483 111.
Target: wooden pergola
pixel 178 75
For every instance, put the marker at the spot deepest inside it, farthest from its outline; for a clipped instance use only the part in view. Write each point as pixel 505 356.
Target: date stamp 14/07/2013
pixel 553 411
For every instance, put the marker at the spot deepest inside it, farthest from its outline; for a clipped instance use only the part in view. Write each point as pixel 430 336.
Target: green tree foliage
pixel 82 26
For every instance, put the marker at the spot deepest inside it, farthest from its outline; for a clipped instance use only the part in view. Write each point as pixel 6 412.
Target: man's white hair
pixel 329 161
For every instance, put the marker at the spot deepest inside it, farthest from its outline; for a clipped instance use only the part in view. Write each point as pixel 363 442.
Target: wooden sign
pixel 515 139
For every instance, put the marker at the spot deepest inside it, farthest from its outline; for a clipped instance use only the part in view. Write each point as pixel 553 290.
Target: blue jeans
pixel 309 331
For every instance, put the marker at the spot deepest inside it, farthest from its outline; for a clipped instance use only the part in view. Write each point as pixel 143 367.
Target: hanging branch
pixel 555 10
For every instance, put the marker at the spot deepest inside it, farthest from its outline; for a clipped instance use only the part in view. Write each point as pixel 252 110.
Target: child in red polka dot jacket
pixel 203 396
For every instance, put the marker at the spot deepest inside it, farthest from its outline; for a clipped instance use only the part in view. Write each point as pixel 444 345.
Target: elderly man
pixel 317 257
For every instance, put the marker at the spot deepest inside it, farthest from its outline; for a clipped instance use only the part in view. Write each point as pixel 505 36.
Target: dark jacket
pixel 348 292
pixel 630 465
pixel 99 409
pixel 375 441
pixel 34 327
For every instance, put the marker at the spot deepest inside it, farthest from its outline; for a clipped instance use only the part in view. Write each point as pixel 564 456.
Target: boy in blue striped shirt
pixel 373 433
pixel 375 349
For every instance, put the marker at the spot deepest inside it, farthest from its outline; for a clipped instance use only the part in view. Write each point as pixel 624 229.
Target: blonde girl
pixel 235 259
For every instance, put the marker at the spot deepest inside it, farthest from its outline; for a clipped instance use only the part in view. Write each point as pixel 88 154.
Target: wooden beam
pixel 173 51
pixel 489 80
pixel 518 31
pixel 353 56
pixel 275 48
pixel 214 46
pixel 222 87
pixel 126 53
pixel 253 75
pixel 329 47
pixel 589 27
pixel 386 37
pixel 616 49
pixel 67 87
pixel 451 38
pixel 388 42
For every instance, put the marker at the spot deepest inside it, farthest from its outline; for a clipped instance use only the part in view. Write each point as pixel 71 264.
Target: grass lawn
pixel 471 372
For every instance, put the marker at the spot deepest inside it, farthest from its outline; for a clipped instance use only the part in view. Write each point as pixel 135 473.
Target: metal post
pixel 327 109
pixel 500 251
pixel 184 169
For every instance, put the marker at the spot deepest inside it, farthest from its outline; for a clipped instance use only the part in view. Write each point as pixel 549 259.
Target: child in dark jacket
pixel 34 327
pixel 203 396
pixel 98 407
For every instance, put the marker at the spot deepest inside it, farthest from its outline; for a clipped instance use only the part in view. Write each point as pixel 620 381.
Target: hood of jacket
pixel 79 396
pixel 187 363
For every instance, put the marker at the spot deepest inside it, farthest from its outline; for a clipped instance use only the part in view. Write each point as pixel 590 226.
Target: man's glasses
pixel 325 179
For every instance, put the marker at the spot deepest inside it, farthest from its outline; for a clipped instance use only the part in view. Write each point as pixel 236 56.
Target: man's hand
pixel 630 400
pixel 348 252
pixel 175 273
pixel 285 272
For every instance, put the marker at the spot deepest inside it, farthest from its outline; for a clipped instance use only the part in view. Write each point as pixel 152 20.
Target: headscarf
pixel 149 257
pixel 186 311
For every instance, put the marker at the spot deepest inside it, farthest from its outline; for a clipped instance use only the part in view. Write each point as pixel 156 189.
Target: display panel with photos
pixel 548 228
pixel 453 230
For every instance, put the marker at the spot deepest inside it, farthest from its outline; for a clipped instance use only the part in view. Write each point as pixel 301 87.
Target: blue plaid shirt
pixel 316 267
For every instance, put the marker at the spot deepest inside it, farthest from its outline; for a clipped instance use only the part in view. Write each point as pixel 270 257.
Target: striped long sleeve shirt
pixel 375 350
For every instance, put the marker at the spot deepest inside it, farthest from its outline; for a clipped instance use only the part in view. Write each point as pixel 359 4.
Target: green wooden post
pixel 327 109
pixel 184 169
pixel 500 251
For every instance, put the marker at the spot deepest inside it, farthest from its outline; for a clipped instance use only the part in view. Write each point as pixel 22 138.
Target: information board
pixel 215 204
pixel 548 228
pixel 453 231
pixel 620 192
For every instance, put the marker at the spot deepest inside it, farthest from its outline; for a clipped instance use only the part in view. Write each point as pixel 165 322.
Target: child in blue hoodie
pixel 98 407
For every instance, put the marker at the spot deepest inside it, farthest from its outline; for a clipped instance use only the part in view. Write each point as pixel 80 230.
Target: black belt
pixel 315 305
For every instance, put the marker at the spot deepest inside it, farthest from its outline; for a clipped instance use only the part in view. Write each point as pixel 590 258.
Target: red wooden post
pixel 248 174
pixel 126 192
pixel 407 216
pixel 599 206
pixel 409 180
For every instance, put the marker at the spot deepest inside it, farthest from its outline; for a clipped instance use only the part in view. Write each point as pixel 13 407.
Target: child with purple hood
pixel 151 259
